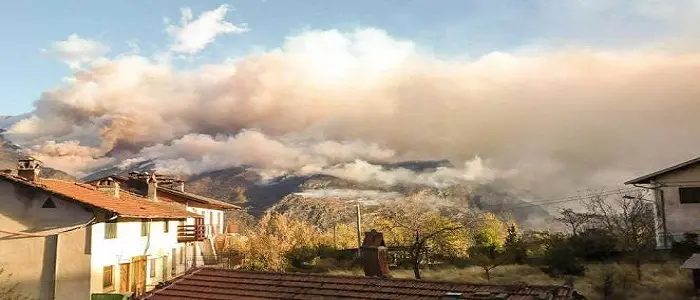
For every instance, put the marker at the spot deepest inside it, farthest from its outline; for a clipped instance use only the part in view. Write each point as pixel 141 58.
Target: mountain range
pixel 243 185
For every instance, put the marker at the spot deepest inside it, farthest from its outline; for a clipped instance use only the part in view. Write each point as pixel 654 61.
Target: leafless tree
pixel 631 219
pixel 575 221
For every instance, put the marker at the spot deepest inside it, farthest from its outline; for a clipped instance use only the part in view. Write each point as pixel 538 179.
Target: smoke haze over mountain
pixel 551 121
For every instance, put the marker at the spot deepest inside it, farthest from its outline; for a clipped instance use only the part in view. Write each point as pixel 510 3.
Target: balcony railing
pixel 191 233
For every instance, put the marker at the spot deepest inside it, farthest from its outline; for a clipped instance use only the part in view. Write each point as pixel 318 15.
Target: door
pixel 139 274
pixel 125 278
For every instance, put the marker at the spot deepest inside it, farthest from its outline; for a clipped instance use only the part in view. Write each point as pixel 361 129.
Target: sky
pixel 32 60
pixel 552 96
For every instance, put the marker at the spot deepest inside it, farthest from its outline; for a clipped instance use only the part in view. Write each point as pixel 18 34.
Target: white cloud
pixel 76 51
pixel 194 35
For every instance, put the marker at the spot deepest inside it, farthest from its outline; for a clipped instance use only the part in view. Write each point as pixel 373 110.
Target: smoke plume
pixel 329 101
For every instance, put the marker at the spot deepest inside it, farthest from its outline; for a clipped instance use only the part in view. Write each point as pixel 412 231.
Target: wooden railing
pixel 190 233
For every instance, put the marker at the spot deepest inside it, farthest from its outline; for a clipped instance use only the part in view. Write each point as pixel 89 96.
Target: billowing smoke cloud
pixel 473 171
pixel 197 153
pixel 564 119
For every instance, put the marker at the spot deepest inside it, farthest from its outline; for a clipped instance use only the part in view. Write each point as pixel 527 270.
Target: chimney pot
pixel 374 254
pixel 179 185
pixel 109 187
pixel 29 168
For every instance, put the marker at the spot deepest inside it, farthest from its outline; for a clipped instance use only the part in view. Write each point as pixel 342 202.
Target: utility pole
pixel 359 230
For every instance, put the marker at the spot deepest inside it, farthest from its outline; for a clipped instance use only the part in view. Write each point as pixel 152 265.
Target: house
pixel 67 240
pixel 212 283
pixel 171 189
pixel 676 191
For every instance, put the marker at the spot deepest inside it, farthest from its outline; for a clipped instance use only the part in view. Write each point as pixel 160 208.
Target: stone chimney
pixel 152 187
pixel 109 187
pixel 29 168
pixel 374 255
pixel 178 185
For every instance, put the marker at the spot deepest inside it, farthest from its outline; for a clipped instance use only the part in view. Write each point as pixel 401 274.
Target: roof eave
pixel 646 179
pixel 222 205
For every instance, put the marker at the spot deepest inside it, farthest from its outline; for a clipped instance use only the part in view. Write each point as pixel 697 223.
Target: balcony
pixel 191 233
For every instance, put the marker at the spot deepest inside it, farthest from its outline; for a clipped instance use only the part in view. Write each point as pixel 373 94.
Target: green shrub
pixel 514 247
pixel 595 245
pixel 687 247
pixel 560 258
pixel 302 257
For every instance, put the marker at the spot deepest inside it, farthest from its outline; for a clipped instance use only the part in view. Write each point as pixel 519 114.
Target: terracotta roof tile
pixel 127 205
pixel 200 198
pixel 209 283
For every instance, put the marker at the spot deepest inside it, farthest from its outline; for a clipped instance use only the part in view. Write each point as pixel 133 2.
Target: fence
pixel 224 261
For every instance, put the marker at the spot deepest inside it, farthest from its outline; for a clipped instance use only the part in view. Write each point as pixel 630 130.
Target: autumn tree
pixel 330 215
pixel 277 242
pixel 241 219
pixel 488 257
pixel 412 223
pixel 489 236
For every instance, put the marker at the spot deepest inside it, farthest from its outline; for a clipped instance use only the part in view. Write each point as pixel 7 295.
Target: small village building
pixel 68 240
pixel 676 191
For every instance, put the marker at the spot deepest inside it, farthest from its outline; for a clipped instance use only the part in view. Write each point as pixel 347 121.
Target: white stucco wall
pixel 31 260
pixel 212 217
pixel 680 217
pixel 128 244
pixel 73 261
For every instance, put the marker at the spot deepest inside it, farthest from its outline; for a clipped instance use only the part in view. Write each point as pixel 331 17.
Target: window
pixel 145 227
pixel 153 268
pixel 182 255
pixel 111 229
pixel 689 194
pixel 48 204
pixel 166 226
pixel 107 277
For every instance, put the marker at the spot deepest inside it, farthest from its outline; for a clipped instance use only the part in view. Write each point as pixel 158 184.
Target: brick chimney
pixel 29 168
pixel 152 187
pixel 374 255
pixel 109 187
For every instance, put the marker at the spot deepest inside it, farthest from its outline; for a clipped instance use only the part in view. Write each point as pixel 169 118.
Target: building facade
pixel 67 240
pixel 676 193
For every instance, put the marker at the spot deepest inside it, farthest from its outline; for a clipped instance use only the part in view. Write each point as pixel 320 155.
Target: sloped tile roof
pixel 199 198
pixel 136 185
pixel 692 263
pixel 219 284
pixel 127 205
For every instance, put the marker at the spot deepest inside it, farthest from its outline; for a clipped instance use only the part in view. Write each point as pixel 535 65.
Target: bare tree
pixel 631 219
pixel 575 221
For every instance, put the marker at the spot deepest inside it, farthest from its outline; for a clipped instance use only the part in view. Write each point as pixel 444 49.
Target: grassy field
pixel 660 281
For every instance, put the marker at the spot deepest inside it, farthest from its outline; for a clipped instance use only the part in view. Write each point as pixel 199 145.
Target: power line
pixel 573 198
